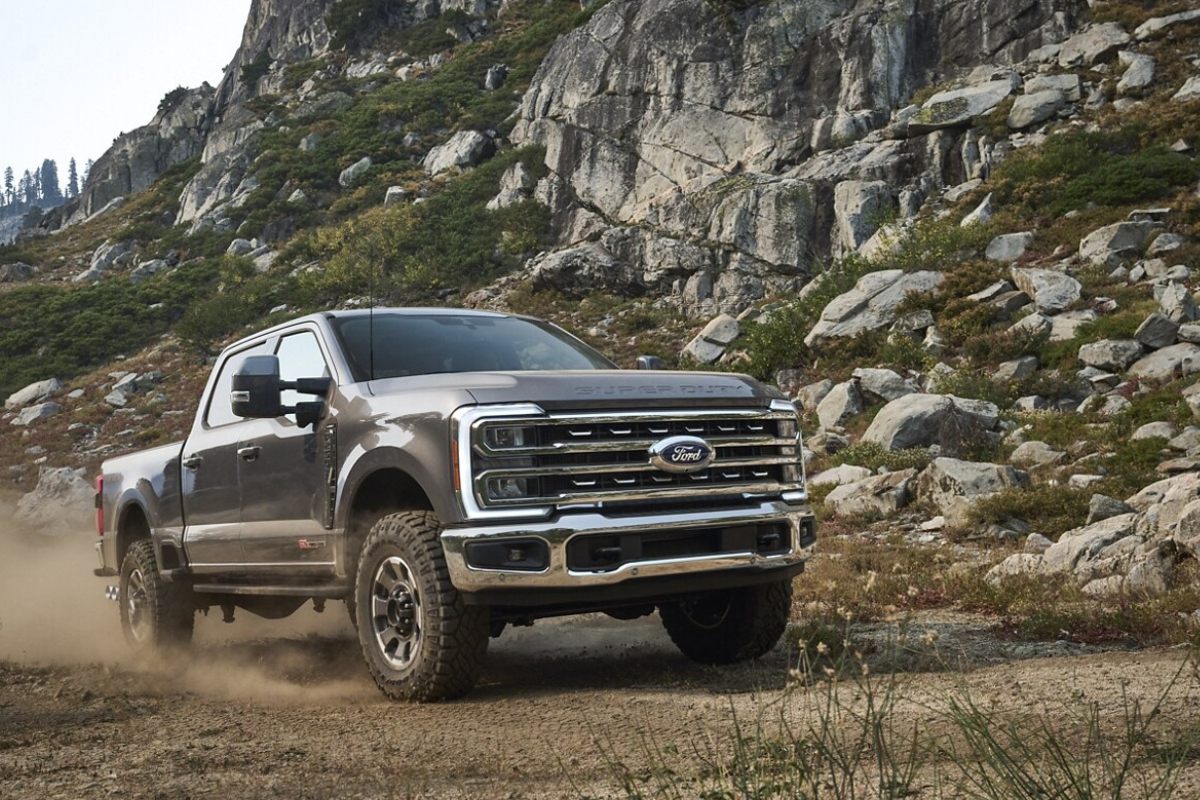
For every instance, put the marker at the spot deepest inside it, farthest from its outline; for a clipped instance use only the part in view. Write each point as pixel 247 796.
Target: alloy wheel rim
pixel 137 606
pixel 396 616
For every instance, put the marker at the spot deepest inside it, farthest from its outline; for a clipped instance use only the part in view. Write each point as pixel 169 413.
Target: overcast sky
pixel 77 73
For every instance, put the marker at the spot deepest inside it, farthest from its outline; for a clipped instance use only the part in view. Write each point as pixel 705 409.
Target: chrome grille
pixel 557 460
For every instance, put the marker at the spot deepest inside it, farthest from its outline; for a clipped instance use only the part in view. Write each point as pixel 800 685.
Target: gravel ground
pixel 287 709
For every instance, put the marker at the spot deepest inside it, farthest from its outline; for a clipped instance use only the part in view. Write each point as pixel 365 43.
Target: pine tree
pixel 48 177
pixel 10 191
pixel 27 189
pixel 87 172
pixel 72 179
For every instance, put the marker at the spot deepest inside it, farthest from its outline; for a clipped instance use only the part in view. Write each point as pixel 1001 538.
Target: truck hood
pixel 568 391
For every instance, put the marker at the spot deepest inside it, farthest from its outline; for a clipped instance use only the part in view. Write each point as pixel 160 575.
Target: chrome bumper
pixel 557 534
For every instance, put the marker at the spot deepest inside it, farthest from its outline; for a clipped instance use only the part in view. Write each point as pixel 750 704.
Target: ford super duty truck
pixel 445 473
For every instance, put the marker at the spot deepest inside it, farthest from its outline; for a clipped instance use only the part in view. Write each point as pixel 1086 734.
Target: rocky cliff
pixel 717 141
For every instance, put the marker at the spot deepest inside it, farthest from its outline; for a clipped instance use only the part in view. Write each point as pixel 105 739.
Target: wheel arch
pixel 386 489
pixel 133 525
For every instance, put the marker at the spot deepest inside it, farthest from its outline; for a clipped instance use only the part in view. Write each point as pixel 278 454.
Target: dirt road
pixel 286 709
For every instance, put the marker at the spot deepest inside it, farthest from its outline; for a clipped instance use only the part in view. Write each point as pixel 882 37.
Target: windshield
pixel 424 344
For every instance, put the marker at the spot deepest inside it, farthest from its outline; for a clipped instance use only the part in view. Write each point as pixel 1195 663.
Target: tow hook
pixel 112 593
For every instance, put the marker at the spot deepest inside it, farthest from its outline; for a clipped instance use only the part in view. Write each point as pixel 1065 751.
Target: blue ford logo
pixel 681 454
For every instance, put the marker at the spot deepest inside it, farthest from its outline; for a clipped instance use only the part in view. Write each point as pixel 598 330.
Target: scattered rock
pixel 871 304
pixel 34 393
pixel 920 420
pixel 1110 354
pixel 883 384
pixel 878 495
pixel 1034 455
pixel 1051 291
pixel 1157 331
pixel 353 172
pixel 465 149
pixel 62 502
pixel 841 404
pixel 953 486
pixel 1006 247
pixel 35 413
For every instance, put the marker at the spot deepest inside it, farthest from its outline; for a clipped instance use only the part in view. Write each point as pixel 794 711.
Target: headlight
pixel 511 488
pixel 508 437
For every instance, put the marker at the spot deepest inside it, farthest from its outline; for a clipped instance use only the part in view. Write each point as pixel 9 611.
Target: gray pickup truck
pixel 446 473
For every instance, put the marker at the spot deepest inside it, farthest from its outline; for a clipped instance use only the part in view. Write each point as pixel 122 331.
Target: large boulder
pixel 1008 247
pixel 883 384
pixel 953 486
pixel 1110 354
pixel 465 149
pixel 858 208
pixel 1139 71
pixel 1096 44
pixel 1157 331
pixel 871 304
pixel 353 172
pixel 36 413
pixel 1123 239
pixel 959 106
pixel 1177 304
pixel 17 271
pixel 1031 109
pixel 840 405
pixel 63 500
pixel 878 495
pixel 710 344
pixel 921 420
pixel 33 393
pixel 1051 291
pixel 1167 364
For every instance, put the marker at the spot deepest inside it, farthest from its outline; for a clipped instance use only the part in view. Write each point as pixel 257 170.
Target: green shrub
pixel 48 330
pixel 355 23
pixel 873 455
pixel 171 100
pixel 1049 510
pixel 1081 168
pixel 256 69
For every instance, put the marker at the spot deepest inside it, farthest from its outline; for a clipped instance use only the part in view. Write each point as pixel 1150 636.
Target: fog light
pixel 525 555
pixel 510 488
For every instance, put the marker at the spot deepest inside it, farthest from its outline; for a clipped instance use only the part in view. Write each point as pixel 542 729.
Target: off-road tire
pixel 420 641
pixel 729 626
pixel 156 615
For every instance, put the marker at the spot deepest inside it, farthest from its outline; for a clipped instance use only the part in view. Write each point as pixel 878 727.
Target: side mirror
pixel 257 392
pixel 650 362
pixel 256 388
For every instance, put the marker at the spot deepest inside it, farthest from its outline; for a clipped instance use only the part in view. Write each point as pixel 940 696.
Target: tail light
pixel 99 505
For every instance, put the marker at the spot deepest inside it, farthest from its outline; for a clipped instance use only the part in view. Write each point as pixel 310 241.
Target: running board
pixel 288 591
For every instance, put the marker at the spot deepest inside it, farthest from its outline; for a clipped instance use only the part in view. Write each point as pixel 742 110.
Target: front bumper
pixel 557 535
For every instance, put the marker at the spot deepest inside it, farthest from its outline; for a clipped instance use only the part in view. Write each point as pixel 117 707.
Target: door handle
pixel 249 453
pixel 193 462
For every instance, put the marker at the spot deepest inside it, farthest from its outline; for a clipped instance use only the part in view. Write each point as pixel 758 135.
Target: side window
pixel 300 357
pixel 220 411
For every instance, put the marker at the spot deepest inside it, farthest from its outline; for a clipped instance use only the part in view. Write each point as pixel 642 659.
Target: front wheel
pixel 420 641
pixel 155 614
pixel 728 626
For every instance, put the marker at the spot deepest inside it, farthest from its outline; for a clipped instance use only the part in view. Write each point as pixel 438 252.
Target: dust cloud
pixel 53 612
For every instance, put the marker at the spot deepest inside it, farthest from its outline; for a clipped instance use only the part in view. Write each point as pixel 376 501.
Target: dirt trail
pixel 286 709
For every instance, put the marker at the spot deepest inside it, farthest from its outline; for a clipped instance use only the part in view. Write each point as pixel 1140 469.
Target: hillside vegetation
pixel 334 243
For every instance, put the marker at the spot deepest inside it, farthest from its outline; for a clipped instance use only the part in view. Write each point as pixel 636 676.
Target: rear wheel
pixel 729 626
pixel 155 614
pixel 420 641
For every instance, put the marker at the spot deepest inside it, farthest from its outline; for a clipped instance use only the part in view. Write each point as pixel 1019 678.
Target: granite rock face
pixel 777 140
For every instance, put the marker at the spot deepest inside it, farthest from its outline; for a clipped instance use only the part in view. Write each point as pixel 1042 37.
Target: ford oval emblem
pixel 681 454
